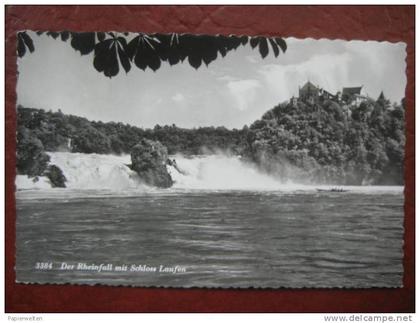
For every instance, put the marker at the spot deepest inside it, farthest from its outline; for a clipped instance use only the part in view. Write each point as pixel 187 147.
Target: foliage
pixel 60 132
pixel 322 142
pixel 31 158
pixel 112 50
pixel 148 159
pixel 24 41
pixel 89 140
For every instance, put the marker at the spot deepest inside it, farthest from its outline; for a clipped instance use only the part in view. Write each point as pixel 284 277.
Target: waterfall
pixel 203 172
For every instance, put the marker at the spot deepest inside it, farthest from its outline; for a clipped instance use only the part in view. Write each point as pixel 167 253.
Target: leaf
pixel 53 34
pixel 174 40
pixel 275 48
pixel 181 46
pixel 28 42
pixel 195 61
pixel 153 60
pixel 281 42
pixel 122 41
pixel 21 49
pixel 24 41
pixel 221 46
pixel 101 36
pixel 132 47
pixel 254 42
pixel 140 61
pixel 173 56
pixel 125 61
pixel 263 47
pixel 170 47
pixel 163 45
pixel 65 35
pixel 244 40
pixel 143 54
pixel 209 56
pixel 191 45
pixel 149 50
pixel 113 67
pixel 207 49
pixel 83 42
pixel 105 59
pixel 233 42
pixel 100 57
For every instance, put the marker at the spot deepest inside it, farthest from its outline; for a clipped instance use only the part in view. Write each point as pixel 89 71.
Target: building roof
pixel 309 86
pixel 325 91
pixel 351 90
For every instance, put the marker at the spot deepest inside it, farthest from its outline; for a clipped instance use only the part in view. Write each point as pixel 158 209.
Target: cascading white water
pixel 89 171
pixel 219 172
pixel 209 172
pixel 93 171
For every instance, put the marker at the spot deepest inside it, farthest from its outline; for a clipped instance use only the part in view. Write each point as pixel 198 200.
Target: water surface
pixel 298 238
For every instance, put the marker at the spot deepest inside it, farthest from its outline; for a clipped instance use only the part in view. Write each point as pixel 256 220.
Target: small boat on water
pixel 335 190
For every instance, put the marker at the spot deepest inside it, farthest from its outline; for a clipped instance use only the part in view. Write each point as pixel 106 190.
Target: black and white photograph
pixel 212 161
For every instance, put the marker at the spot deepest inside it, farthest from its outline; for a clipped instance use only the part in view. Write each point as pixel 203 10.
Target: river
pixel 235 228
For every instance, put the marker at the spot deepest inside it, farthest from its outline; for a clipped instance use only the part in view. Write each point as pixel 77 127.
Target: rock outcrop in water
pixel 56 176
pixel 148 159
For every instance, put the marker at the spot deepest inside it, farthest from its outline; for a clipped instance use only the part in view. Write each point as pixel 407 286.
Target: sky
pixel 232 91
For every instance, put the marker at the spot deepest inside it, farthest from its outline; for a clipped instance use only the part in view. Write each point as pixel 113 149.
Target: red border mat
pixel 390 23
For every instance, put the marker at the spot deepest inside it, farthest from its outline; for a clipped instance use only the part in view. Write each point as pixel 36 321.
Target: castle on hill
pixel 310 93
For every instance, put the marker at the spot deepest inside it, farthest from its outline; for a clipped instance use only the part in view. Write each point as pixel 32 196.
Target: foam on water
pixel 94 171
pixel 221 173
pixel 23 182
pixel 110 174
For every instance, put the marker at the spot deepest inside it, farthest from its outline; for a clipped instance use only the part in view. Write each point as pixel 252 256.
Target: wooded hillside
pixel 322 142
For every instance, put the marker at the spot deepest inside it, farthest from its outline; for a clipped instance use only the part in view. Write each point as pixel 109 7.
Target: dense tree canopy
pixel 59 132
pixel 113 51
pixel 332 143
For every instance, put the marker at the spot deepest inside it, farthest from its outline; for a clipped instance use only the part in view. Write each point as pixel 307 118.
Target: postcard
pixel 228 161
